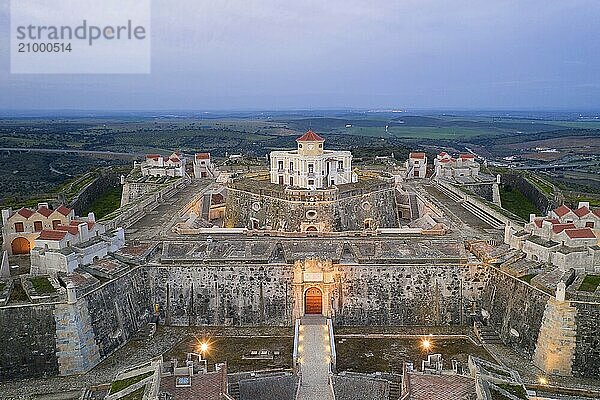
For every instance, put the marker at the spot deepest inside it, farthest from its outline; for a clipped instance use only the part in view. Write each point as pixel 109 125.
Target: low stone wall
pixel 129 214
pixel 514 304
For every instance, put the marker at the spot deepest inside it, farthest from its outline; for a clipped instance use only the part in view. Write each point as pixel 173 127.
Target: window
pixel 19 227
pixel 291 167
pixel 340 165
pixel 291 181
pixel 320 145
pixel 55 223
pixel 589 224
pixel 311 168
pixel 280 165
pixel 37 226
pixel 311 182
pixel 299 145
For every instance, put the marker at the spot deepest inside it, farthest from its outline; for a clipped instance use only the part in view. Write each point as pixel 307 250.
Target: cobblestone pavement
pixel 314 356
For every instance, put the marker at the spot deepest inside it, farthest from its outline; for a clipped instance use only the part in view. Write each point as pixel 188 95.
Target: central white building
pixel 310 166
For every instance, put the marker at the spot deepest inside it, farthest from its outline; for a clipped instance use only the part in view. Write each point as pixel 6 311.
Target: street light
pixel 426 344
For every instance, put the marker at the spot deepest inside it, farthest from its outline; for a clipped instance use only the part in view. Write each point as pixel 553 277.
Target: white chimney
pixel 91 217
pixel 83 231
pixel 6 213
pixel 584 204
pixel 71 293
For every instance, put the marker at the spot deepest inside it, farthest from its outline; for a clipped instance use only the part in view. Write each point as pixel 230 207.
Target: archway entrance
pixel 312 228
pixel 20 246
pixel 313 301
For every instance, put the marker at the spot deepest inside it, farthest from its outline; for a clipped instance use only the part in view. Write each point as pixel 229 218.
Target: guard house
pixel 416 165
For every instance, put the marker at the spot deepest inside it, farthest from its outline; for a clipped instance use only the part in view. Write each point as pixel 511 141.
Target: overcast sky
pixel 273 54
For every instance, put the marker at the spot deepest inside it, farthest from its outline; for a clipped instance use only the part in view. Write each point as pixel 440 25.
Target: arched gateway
pixel 313 301
pixel 20 246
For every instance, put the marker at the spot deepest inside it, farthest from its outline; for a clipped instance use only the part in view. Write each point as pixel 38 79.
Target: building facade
pixel 416 165
pixel 203 166
pixel 157 165
pixel 22 227
pixel 464 166
pixel 310 166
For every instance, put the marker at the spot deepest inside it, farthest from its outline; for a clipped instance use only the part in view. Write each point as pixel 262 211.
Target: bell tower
pixel 310 144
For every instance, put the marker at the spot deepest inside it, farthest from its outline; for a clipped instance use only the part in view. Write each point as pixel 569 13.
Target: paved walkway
pixel 314 353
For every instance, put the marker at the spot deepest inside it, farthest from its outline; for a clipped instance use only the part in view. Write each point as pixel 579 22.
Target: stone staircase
pixel 414 206
pixel 234 390
pixel 206 205
pixel 487 334
pixel 395 390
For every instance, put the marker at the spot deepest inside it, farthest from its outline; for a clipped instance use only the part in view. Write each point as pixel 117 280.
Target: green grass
pixel 42 285
pixel 516 390
pixel 2 286
pixel 107 203
pixel 590 283
pixel 514 201
pixel 121 384
pixel 18 294
pixel 542 185
pixel 527 278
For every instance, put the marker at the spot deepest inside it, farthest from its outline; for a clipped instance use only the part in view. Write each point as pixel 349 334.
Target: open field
pixel 371 354
pixel 238 348
pixel 257 133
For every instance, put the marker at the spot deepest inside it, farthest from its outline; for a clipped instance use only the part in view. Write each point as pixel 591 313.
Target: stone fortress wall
pixel 68 338
pixel 255 204
pixel 560 335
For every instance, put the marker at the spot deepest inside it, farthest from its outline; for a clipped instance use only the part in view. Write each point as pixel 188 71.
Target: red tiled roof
pixel 310 136
pixel 440 387
pixel 153 156
pixel 562 210
pixel 68 228
pixel 175 159
pixel 553 221
pixel 582 212
pixel 443 154
pixel 202 156
pixel 25 212
pixel 417 155
pixel 581 233
pixel 64 210
pixel 597 212
pixel 558 228
pixel 207 386
pixel 466 155
pixel 48 234
pixel 45 211
pixel 445 160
